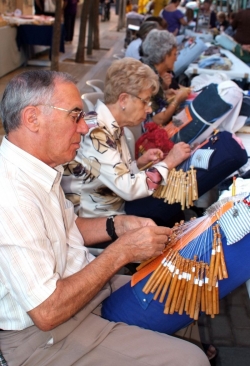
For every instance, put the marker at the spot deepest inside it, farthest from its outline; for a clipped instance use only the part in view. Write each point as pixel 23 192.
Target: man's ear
pixel 29 118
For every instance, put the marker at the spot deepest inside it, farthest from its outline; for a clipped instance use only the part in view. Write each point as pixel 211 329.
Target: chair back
pixel 133 25
pixel 90 99
pixel 96 84
pixel 130 141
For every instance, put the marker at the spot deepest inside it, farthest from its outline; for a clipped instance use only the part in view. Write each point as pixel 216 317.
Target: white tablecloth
pixel 239 69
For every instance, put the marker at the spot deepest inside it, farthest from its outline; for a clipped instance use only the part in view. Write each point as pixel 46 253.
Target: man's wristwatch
pixel 110 227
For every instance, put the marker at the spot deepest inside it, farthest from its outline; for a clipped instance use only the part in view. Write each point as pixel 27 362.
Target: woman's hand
pixel 182 94
pixel 177 155
pixel 151 155
pixel 167 79
pixel 170 93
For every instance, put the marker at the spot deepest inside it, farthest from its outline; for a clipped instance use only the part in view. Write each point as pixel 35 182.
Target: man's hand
pixel 177 155
pixel 125 223
pixel 141 244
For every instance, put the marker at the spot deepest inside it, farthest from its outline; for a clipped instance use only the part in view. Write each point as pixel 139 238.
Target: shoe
pixel 211 352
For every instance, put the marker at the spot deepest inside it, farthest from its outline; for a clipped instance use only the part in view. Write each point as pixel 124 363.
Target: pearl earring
pixel 123 108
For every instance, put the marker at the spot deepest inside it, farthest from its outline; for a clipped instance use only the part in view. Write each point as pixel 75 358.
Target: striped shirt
pixel 39 240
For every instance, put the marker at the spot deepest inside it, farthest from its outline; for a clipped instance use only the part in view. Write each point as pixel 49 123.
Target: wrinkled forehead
pixel 68 93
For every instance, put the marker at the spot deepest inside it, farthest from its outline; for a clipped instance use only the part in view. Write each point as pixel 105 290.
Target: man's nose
pixel 82 127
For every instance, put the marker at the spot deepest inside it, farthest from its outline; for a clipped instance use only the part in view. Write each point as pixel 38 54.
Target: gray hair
pixel 135 7
pixel 128 75
pixel 29 88
pixel 157 45
pixel 145 28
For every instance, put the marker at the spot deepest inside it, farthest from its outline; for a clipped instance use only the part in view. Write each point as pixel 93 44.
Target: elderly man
pixel 49 283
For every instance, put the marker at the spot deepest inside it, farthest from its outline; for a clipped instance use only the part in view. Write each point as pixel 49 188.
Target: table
pixel 239 69
pixel 30 34
pixel 10 57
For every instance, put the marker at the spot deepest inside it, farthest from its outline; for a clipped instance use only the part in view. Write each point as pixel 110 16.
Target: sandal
pixel 211 352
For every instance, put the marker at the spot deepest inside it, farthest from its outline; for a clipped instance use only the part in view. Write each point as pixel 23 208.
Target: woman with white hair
pixel 160 53
pixel 104 174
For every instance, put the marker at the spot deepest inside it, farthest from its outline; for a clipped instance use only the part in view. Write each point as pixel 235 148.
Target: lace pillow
pixel 235 223
pixel 201 157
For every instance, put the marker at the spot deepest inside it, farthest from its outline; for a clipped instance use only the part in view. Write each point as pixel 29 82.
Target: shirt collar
pixel 107 120
pixel 42 173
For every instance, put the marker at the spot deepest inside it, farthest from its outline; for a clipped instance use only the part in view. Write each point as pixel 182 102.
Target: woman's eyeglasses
pixel 147 103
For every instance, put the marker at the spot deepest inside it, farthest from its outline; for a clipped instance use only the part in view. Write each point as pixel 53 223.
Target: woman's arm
pixel 165 116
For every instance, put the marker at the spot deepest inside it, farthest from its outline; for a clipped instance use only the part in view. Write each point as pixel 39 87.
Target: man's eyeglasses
pixel 147 103
pixel 76 114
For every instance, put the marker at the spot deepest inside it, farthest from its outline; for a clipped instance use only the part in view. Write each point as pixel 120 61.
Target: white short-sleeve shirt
pixel 39 240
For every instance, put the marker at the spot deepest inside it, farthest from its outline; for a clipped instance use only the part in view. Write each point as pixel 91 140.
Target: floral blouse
pixel 103 175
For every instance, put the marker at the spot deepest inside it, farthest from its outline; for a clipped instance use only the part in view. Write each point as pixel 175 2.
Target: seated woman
pixel 206 17
pixel 222 22
pixel 133 48
pixel 151 22
pixel 160 53
pixel 174 17
pixel 110 176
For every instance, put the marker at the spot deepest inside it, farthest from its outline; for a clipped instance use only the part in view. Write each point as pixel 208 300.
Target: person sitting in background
pixel 162 22
pixel 109 176
pixel 160 53
pixel 174 17
pixel 222 22
pixel 133 14
pixel 192 8
pixel 133 49
pixel 50 285
pixel 133 19
pixel 206 16
pixel 229 30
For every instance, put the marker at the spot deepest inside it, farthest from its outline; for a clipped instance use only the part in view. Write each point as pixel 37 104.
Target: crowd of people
pixel 201 16
pixel 67 185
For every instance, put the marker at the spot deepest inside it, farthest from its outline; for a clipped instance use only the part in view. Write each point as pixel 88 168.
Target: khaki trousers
pixel 87 339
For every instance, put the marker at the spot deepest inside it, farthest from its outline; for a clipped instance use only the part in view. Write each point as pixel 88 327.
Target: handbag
pixel 49 6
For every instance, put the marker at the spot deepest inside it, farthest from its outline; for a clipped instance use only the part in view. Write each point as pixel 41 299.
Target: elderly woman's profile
pixel 129 88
